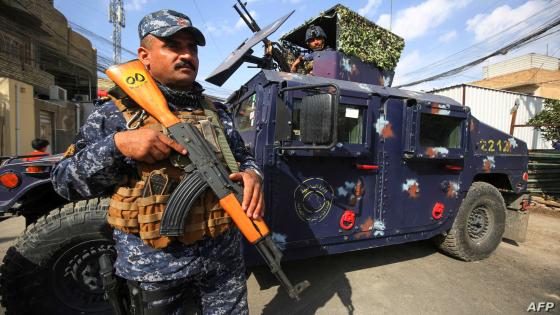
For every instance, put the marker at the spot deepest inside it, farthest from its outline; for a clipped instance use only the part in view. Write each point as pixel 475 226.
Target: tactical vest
pixel 137 206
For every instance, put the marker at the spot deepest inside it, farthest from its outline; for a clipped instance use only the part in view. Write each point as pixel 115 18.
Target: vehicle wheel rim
pixel 478 223
pixel 75 276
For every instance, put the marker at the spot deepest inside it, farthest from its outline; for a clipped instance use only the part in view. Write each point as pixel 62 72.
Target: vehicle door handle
pixel 367 167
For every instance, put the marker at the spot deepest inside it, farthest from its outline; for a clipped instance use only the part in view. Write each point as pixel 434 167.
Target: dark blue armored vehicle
pixel 350 163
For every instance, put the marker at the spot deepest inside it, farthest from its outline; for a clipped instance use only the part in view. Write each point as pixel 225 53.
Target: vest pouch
pixel 150 210
pixel 149 197
pixel 123 210
pixel 218 220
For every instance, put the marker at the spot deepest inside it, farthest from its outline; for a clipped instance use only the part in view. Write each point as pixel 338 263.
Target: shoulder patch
pixel 70 151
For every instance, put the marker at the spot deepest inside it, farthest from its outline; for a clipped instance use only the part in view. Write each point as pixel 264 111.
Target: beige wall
pixel 549 91
pixel 16 102
pixel 538 82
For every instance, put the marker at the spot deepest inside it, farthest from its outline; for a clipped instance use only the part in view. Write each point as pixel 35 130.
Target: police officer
pixel 105 155
pixel 315 37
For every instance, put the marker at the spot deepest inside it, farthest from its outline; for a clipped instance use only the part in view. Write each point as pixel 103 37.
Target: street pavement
pixel 409 279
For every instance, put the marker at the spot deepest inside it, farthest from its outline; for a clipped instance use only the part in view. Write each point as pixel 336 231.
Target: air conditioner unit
pixel 57 93
pixel 81 98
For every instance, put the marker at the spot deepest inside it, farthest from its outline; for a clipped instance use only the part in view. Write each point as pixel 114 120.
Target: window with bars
pixel 16 48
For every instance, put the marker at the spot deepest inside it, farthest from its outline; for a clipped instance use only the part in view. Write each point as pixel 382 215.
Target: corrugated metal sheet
pixel 521 63
pixel 544 172
pixel 493 107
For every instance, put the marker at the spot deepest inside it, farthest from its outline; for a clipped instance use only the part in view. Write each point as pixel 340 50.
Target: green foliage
pixel 362 38
pixel 548 120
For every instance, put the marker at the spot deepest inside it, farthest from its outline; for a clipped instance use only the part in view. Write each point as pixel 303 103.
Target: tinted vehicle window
pixel 440 131
pixel 350 124
pixel 245 116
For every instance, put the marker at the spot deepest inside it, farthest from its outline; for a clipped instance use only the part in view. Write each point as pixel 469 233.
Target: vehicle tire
pixel 53 267
pixel 478 226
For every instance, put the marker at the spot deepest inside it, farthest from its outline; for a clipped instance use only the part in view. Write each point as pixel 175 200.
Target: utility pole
pixel 116 16
pixel 391 17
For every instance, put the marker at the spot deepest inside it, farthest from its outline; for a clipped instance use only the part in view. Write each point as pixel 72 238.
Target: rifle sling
pixel 210 111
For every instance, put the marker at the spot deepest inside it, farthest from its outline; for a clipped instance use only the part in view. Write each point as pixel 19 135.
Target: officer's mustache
pixel 184 64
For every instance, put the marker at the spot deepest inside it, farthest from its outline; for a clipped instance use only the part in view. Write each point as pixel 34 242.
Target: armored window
pixel 440 131
pixel 350 124
pixel 245 115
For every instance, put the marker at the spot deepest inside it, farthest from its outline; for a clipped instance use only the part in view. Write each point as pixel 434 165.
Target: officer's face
pixel 317 43
pixel 173 60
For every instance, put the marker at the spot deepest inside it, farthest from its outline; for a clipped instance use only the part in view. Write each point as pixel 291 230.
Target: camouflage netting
pixel 373 44
pixel 355 35
pixel 291 51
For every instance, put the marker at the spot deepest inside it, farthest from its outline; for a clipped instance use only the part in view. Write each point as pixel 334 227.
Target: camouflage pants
pixel 214 293
pixel 213 271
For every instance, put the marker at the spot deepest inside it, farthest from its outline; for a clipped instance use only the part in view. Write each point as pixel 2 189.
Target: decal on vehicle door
pixel 313 199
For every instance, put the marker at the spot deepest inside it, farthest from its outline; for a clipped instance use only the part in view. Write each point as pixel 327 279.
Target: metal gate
pixel 544 172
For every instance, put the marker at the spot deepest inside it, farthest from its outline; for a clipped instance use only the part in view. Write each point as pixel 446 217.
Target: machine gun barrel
pixel 251 23
pixel 272 50
pixel 137 83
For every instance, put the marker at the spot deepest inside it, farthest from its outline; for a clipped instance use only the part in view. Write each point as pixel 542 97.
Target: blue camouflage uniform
pixel 214 266
pixel 309 56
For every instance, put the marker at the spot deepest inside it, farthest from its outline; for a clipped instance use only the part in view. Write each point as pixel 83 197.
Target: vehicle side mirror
pixel 317 119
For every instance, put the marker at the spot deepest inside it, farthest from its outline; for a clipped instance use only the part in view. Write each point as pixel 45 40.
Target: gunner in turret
pixel 315 37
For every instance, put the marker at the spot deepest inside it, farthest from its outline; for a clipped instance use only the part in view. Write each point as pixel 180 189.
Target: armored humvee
pixel 349 163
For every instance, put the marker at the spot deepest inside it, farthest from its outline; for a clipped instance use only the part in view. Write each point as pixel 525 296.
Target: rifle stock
pixel 137 83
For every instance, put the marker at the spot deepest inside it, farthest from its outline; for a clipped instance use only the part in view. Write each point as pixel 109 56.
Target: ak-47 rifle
pixel 272 49
pixel 205 171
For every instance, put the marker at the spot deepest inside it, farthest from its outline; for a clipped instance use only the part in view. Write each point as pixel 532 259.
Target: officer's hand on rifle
pixel 253 198
pixel 146 145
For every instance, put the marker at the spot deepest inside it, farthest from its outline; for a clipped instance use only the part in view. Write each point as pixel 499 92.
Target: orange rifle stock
pixel 138 84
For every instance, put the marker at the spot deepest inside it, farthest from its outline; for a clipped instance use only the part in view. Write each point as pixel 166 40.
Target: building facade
pixel 43 65
pixel 532 74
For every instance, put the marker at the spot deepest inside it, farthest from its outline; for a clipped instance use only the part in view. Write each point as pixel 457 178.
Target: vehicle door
pixel 323 181
pixel 423 164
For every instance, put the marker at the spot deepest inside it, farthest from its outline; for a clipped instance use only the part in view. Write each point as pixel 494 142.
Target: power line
pixel 542 64
pixel 490 40
pixel 493 39
pixel 502 51
pixel 104 62
pixel 89 33
pixel 487 5
pixel 208 33
pixel 83 51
